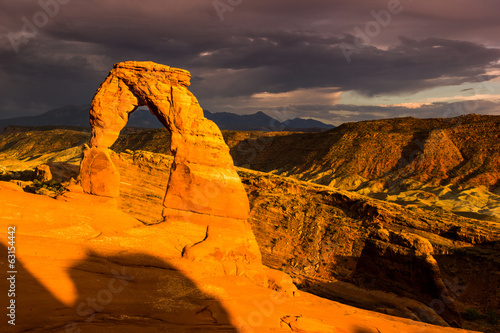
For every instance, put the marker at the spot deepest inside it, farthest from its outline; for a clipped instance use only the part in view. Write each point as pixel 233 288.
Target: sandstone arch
pixel 203 186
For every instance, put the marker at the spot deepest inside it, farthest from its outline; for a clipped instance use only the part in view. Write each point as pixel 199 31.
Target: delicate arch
pixel 202 178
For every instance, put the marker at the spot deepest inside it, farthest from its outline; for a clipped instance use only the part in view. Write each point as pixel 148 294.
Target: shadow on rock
pixel 119 293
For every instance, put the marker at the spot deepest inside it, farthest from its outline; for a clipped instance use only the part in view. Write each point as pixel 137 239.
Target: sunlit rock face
pixel 203 186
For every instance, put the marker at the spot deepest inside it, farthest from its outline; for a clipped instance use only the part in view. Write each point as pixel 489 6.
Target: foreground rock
pixel 84 266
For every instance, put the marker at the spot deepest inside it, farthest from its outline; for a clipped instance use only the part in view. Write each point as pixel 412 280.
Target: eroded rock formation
pixel 403 263
pixel 203 186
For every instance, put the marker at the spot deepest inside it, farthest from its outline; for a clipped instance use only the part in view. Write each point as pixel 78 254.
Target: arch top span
pixel 175 75
pixel 132 84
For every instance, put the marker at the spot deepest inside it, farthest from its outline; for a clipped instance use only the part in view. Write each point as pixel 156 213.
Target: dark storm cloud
pixel 291 61
pixel 259 46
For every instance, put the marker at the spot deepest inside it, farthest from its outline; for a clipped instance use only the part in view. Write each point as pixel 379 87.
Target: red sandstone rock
pixel 42 173
pixel 10 186
pixel 98 175
pixel 203 186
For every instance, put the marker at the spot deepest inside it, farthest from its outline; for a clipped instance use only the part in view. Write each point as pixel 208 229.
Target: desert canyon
pixel 378 226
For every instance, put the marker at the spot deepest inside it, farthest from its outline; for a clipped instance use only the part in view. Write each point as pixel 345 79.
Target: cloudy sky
pixel 332 60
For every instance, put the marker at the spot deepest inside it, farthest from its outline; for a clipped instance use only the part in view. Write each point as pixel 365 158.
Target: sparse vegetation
pixel 153 196
pixel 472 314
pixel 493 317
pixel 37 186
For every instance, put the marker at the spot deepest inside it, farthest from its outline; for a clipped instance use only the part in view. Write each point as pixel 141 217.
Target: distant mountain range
pixel 72 115
pixel 262 122
pixel 69 115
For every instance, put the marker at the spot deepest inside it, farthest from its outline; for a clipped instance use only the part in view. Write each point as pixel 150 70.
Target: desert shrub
pixel 53 186
pixel 153 196
pixel 472 314
pixel 493 317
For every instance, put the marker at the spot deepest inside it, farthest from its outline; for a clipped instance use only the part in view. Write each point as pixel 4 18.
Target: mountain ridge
pixel 389 147
pixel 71 115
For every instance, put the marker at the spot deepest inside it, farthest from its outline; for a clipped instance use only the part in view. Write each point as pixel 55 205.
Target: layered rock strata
pixel 403 263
